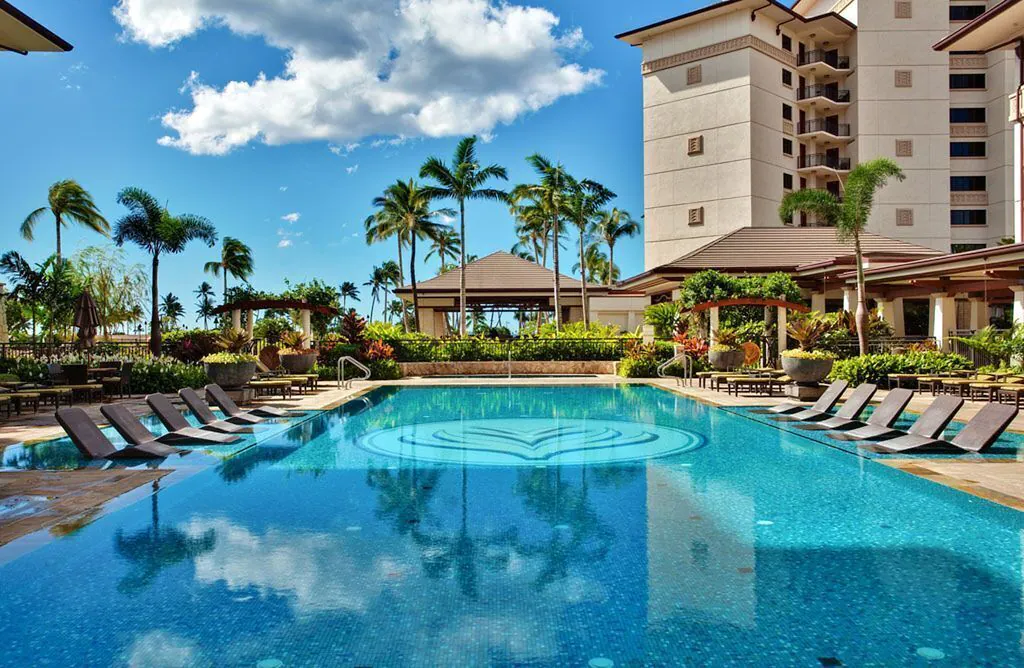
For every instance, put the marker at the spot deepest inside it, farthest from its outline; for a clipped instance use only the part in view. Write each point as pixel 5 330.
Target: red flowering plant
pixel 378 350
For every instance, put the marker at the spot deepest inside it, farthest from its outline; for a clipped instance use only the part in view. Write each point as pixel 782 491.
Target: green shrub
pixel 27 369
pixel 876 368
pixel 387 331
pixel 228 358
pixel 190 345
pixel 384 369
pixel 165 375
pixel 638 367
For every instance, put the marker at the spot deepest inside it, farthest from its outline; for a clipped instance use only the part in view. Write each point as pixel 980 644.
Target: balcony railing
pixel 824 160
pixel 834 128
pixel 828 92
pixel 830 58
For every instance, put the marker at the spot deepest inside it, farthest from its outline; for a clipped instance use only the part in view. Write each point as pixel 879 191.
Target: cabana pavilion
pixel 20 33
pixel 504 282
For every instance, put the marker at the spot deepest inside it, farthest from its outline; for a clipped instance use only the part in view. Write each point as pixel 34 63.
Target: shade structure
pixel 20 33
pixel 87 319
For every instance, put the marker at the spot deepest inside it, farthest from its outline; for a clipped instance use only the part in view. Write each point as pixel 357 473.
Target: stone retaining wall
pixel 502 368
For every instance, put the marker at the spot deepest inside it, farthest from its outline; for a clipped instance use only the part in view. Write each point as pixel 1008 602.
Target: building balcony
pixel 821 62
pixel 822 163
pixel 824 130
pixel 823 97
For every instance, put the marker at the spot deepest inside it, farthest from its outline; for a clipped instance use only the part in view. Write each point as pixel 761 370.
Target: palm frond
pixel 28 225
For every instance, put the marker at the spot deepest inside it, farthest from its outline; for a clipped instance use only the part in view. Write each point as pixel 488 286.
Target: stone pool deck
pixel 75 497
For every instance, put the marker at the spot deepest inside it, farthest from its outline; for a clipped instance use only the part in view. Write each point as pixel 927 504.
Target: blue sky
pixel 98 114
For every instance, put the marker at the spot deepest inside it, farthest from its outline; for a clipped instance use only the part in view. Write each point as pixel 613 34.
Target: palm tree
pixel 380 227
pixel 204 307
pixel 235 259
pixel 392 279
pixel 68 202
pixel 378 281
pixel 598 268
pixel 849 216
pixel 463 180
pixel 446 244
pixel 550 195
pixel 152 227
pixel 171 310
pixel 348 290
pixel 612 226
pixel 29 282
pixel 582 208
pixel 404 211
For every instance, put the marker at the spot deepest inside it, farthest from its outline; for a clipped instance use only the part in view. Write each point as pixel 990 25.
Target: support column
pixel 5 335
pixel 307 330
pixel 712 325
pixel 248 323
pixel 850 300
pixel 887 311
pixel 979 314
pixel 818 302
pixel 236 319
pixel 1018 303
pixel 781 325
pixel 943 318
pixel 899 328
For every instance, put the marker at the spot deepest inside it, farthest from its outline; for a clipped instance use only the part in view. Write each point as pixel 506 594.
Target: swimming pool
pixel 436 526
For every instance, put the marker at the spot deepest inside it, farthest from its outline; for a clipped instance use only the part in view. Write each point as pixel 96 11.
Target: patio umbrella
pixel 87 319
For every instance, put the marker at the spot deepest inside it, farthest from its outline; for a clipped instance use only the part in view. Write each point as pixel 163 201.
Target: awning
pixel 20 33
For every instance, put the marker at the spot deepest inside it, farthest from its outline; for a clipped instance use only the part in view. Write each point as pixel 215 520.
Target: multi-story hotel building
pixel 745 100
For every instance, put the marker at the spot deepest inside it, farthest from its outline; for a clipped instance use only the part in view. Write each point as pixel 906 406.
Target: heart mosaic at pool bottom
pixel 530 442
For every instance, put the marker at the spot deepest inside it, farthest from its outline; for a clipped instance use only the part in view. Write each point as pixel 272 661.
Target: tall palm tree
pixel 849 216
pixel 379 227
pixel 582 208
pixel 463 180
pixel 235 259
pixel 598 267
pixel 404 211
pixel 378 281
pixel 550 194
pixel 348 290
pixel 446 244
pixel 171 310
pixel 612 226
pixel 68 202
pixel 152 227
pixel 392 279
pixel 29 282
pixel 204 305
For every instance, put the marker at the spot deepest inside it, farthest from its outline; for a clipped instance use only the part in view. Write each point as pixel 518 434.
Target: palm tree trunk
pixel 583 278
pixel 412 277
pixel 154 316
pixel 225 284
pixel 462 268
pixel 611 262
pixel 58 235
pixel 401 279
pixel 558 303
pixel 861 317
pixel 373 303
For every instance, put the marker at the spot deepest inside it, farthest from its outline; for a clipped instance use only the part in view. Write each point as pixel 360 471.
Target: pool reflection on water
pixel 760 547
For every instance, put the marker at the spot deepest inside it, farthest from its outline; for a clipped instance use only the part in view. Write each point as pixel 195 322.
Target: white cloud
pixel 72 75
pixel 352 170
pixel 284 243
pixel 292 217
pixel 357 68
pixel 343 150
pixel 283 188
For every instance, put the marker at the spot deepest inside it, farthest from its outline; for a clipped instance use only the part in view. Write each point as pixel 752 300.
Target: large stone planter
pixel 803 370
pixel 298 363
pixel 726 360
pixel 235 374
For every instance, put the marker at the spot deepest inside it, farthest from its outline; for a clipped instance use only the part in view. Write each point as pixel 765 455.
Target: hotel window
pixel 964 248
pixel 967 149
pixel 696 216
pixel 787 181
pixel 693 75
pixel 787 43
pixel 787 77
pixel 695 145
pixel 971 81
pixel 904 79
pixel 959 184
pixel 968 217
pixel 965 13
pixel 904 148
pixel 967 115
pixel 787 112
pixel 787 147
pixel 904 217
pixel 903 9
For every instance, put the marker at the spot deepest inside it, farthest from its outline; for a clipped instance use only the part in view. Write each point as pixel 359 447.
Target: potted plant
pixel 807 364
pixel 232 366
pixel 727 353
pixel 295 356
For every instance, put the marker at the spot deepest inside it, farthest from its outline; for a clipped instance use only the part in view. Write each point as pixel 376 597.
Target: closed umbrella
pixel 87 320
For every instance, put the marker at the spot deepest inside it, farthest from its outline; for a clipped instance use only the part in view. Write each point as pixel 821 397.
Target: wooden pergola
pixel 782 308
pixel 249 305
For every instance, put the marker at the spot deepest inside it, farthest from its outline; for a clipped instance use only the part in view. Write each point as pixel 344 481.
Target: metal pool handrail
pixel 687 367
pixel 354 362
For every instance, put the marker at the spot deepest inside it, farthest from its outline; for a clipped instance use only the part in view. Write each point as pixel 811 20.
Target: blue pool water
pixel 472 526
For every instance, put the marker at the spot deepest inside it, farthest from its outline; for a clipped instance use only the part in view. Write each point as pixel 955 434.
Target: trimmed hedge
pixel 876 368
